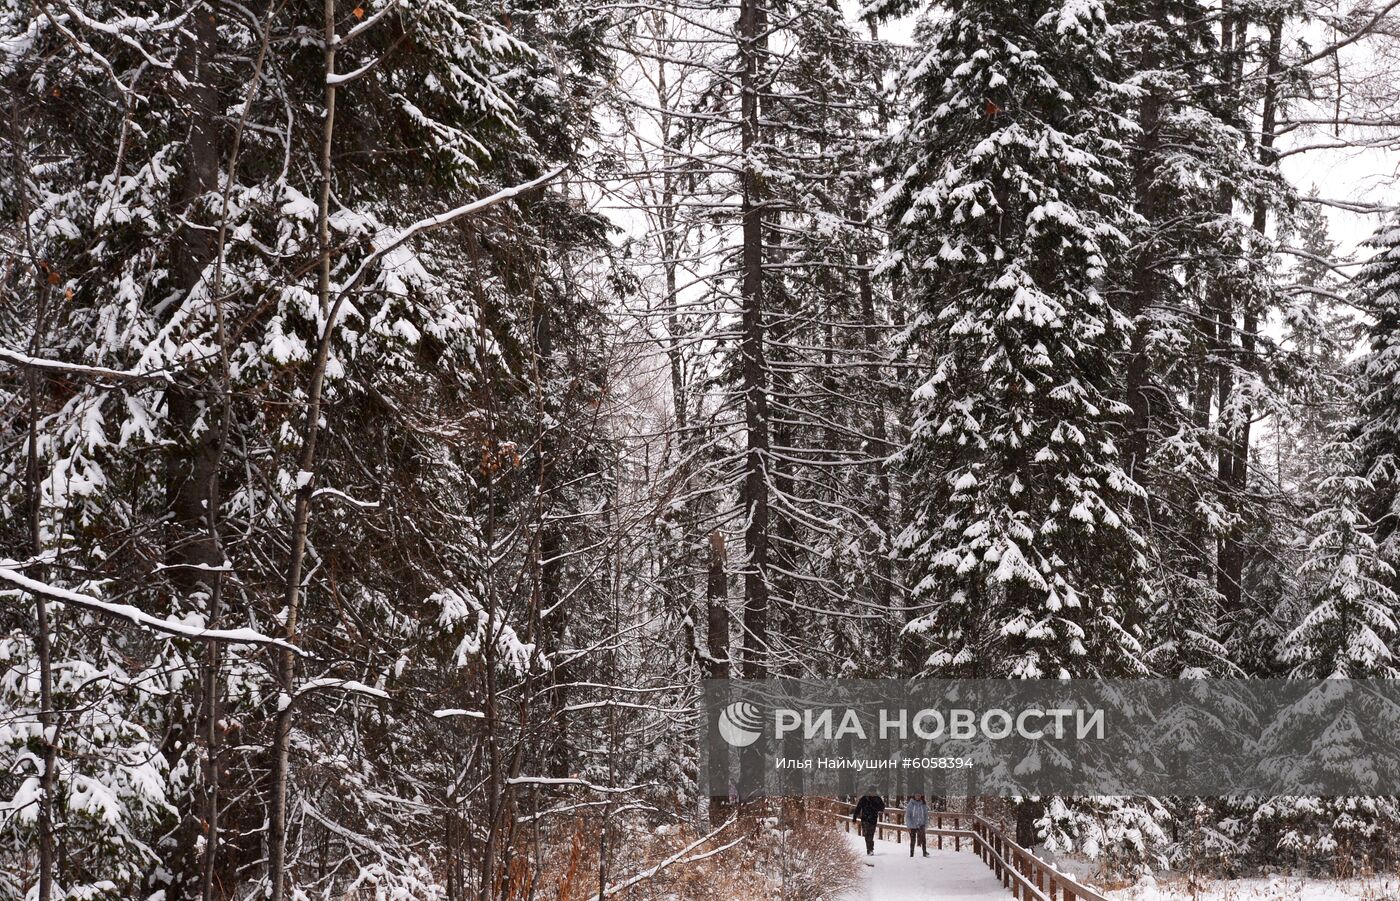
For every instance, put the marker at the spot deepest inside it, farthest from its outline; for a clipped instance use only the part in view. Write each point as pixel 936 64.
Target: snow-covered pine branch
pixel 167 627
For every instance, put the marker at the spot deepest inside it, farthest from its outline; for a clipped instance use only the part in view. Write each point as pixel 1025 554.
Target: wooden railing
pixel 1026 876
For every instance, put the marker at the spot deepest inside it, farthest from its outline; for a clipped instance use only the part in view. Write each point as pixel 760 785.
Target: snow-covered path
pixel 942 876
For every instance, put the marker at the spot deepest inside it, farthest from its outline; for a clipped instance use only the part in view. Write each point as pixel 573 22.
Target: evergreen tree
pixel 1348 626
pixel 1005 227
pixel 1346 629
pixel 1378 430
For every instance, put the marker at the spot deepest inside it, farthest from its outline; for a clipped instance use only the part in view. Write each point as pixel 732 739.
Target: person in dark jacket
pixel 867 813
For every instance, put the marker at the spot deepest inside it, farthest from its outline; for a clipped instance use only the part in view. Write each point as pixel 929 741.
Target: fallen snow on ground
pixel 942 876
pixel 1274 888
pixel 960 876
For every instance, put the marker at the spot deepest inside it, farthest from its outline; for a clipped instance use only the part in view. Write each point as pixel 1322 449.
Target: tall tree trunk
pixel 717 661
pixel 220 403
pixel 1147 282
pixel 883 508
pixel 44 648
pixel 1239 447
pixel 43 640
pixel 754 373
pixel 192 460
pixel 36 386
pixel 546 601
pixel 191 468
pixel 301 512
pixel 1229 549
pixel 47 720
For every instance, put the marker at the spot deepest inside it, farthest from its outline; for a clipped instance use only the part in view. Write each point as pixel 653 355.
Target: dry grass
pixel 781 855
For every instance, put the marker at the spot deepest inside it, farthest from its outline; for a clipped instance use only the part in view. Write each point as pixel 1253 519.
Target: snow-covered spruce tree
pixel 1338 619
pixel 1344 609
pixel 1347 631
pixel 1005 226
pixel 1378 426
pixel 1299 455
pixel 1348 627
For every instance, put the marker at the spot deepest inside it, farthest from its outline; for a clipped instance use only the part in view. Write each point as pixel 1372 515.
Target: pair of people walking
pixel 871 805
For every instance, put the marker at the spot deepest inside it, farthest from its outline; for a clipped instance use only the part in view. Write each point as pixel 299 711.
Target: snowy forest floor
pixel 1274 888
pixel 959 876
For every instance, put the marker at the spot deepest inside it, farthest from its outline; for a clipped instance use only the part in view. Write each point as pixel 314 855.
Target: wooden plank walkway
pixel 947 875
pixel 1025 876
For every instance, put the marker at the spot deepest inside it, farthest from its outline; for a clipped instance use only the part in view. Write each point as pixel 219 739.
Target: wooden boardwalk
pixel 1013 869
pixel 945 875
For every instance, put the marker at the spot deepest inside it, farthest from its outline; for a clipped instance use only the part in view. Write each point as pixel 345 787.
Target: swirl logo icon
pixel 741 724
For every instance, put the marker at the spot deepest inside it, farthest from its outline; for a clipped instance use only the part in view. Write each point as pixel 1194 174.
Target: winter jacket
pixel 915 814
pixel 868 809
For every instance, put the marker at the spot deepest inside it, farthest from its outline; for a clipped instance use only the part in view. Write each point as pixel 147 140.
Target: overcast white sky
pixel 1361 176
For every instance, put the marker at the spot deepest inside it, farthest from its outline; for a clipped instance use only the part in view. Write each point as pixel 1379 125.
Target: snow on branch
pixel 433 223
pixel 332 492
pixel 457 711
pixel 1366 29
pixel 367 24
pixel 349 685
pixel 680 857
pixel 548 780
pixel 138 617
pixel 336 78
pixel 24 361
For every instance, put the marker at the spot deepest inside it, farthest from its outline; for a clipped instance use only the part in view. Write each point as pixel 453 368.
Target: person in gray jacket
pixel 916 819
